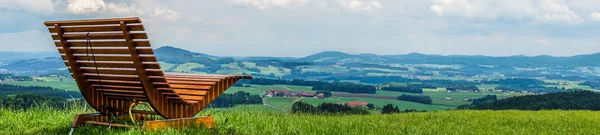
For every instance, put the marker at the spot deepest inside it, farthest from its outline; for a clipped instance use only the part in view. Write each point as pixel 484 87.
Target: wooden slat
pixel 190 92
pixel 103 44
pixel 194 87
pixel 186 97
pixel 124 95
pixel 91 28
pixel 123 83
pixel 127 98
pixel 115 83
pixel 191 82
pixel 193 98
pixel 106 86
pixel 120 91
pixel 119 71
pixel 111 77
pixel 94 21
pixel 113 58
pixel 170 74
pixel 155 80
pixel 107 51
pixel 111 64
pixel 96 36
pixel 192 79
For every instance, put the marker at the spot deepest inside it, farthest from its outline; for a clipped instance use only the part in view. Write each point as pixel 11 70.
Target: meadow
pixel 438 95
pixel 254 119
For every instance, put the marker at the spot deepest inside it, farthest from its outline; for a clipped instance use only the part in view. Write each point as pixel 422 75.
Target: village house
pixel 357 104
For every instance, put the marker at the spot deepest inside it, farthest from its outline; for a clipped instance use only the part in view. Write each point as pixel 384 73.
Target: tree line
pixel 424 99
pixel 4 77
pixel 27 101
pixel 317 85
pixel 7 89
pixel 462 87
pixel 326 108
pixel 577 100
pixel 407 89
pixel 389 109
pixel 230 100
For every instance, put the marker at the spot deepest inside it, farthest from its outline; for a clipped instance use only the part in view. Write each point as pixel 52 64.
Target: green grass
pixel 274 70
pixel 438 98
pixel 251 90
pixel 281 102
pixel 283 87
pixel 67 83
pixel 377 102
pixel 187 68
pixel 166 66
pixel 253 121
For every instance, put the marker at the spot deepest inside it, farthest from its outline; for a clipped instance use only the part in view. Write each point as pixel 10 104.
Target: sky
pixel 296 28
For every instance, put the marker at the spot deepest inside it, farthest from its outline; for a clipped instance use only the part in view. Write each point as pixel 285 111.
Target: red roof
pixel 353 104
pixel 282 91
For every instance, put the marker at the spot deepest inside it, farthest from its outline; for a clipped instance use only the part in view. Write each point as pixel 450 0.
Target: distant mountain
pixel 326 56
pixel 469 64
pixel 5 55
pixel 36 64
pixel 180 56
pixel 417 58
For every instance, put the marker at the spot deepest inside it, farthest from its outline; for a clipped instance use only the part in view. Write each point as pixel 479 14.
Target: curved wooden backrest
pixel 113 64
pixel 109 59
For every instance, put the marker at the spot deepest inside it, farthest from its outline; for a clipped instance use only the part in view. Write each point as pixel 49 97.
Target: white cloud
pixel 537 10
pixel 166 13
pixel 595 16
pixel 85 6
pixel 95 6
pixel 552 11
pixel 355 6
pixel 364 6
pixel 264 4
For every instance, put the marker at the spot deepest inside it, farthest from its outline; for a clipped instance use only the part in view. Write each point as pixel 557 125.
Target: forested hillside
pixel 579 100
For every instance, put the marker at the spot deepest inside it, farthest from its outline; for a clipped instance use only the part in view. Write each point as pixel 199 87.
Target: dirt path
pixel 272 106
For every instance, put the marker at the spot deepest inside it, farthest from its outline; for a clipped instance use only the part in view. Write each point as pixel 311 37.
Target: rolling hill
pixel 345 64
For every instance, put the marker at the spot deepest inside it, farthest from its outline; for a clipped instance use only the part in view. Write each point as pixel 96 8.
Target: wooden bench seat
pixel 113 65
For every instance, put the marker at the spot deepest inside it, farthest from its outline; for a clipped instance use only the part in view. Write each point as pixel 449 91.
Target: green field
pixel 166 66
pixel 187 68
pixel 65 84
pixel 457 98
pixel 438 98
pixel 377 102
pixel 281 102
pixel 254 120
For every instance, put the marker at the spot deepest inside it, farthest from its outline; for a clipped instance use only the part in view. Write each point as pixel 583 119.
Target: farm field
pixel 66 84
pixel 254 120
pixel 187 68
pixel 438 98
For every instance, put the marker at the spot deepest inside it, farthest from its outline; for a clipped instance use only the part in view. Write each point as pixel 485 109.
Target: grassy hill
pixel 255 120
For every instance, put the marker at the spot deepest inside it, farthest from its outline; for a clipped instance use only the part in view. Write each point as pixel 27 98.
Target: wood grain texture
pixel 125 70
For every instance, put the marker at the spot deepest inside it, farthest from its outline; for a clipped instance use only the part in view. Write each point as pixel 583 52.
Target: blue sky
pixel 303 27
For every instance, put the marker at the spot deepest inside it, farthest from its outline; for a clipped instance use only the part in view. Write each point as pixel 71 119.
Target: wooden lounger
pixel 113 65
